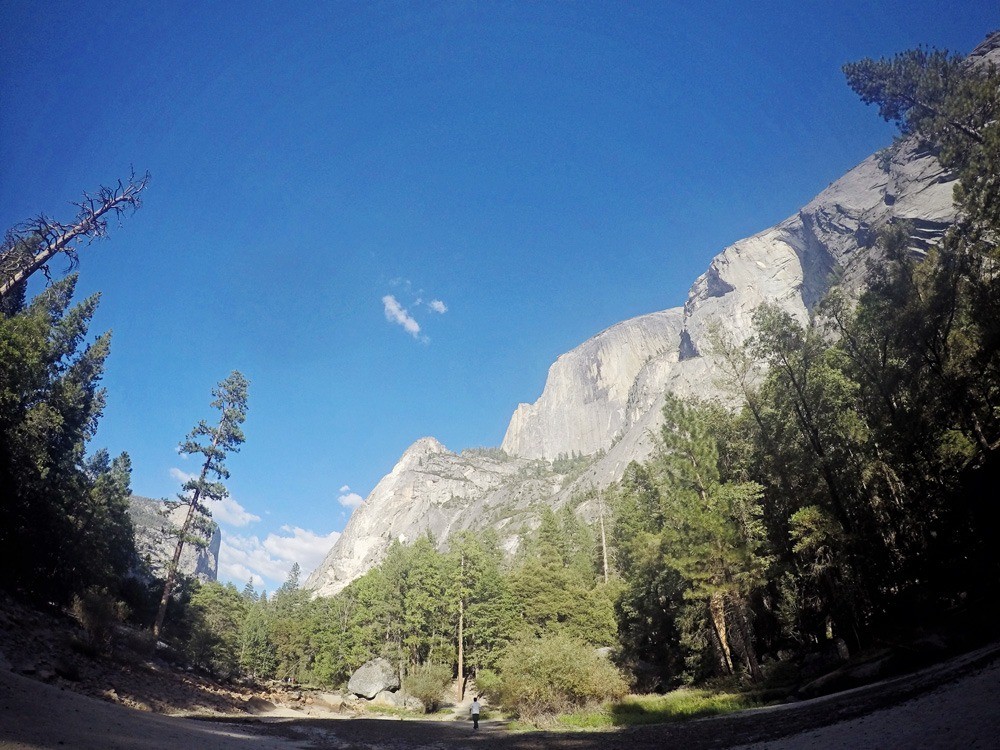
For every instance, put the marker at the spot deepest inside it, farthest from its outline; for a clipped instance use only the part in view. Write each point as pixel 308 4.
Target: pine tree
pixel 64 523
pixel 215 444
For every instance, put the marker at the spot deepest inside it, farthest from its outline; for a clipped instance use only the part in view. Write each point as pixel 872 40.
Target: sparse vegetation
pixel 679 705
pixel 427 683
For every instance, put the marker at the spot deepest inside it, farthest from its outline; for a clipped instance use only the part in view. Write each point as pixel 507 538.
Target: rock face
pixel 587 391
pixel 372 678
pixel 603 399
pixel 434 490
pixel 155 542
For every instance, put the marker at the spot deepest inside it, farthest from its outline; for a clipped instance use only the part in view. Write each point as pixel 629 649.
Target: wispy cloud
pixel 438 306
pixel 396 313
pixel 181 476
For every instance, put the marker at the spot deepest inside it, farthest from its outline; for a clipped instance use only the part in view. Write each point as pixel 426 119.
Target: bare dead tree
pixel 29 246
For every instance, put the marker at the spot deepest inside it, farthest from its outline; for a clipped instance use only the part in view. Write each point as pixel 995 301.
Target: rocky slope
pixel 432 490
pixel 603 398
pixel 154 540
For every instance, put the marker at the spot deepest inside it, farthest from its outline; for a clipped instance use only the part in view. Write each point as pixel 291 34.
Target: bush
pixel 488 684
pixel 98 612
pixel 427 683
pixel 554 674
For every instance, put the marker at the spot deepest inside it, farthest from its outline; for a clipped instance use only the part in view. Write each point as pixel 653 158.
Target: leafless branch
pixel 29 246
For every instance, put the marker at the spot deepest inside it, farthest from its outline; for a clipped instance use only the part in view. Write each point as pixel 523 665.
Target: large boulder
pixel 372 678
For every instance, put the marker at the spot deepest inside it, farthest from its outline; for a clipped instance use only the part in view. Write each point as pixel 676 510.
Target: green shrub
pixel 427 683
pixel 98 612
pixel 488 684
pixel 554 674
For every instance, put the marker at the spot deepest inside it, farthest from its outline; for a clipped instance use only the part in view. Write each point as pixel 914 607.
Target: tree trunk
pixel 461 633
pixel 717 611
pixel 604 542
pixel 168 586
pixel 749 652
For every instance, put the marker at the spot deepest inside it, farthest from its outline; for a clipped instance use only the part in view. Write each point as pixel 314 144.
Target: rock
pixel 68 670
pixel 331 701
pixel 584 402
pixel 27 668
pixel 433 490
pixel 412 704
pixel 153 522
pixel 372 678
pixel 845 678
pixel 387 698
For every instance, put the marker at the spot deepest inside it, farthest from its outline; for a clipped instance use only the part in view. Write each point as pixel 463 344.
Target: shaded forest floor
pixel 51 648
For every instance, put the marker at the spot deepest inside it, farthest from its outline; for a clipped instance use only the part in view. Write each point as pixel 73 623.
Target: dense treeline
pixel 852 495
pixel 410 609
pixel 64 523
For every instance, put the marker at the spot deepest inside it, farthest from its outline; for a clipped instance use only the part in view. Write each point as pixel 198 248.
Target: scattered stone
pixel 386 698
pixel 26 668
pixel 331 701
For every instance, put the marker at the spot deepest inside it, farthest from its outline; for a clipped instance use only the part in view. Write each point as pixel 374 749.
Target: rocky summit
pixel 602 400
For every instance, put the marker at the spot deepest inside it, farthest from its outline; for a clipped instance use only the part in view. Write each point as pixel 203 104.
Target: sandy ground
pixel 953 705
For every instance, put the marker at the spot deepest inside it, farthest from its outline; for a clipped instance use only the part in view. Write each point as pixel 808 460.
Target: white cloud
pixel 438 306
pixel 305 547
pixel 247 558
pixel 350 499
pixel 243 557
pixel 396 313
pixel 181 476
pixel 229 511
pixel 345 488
pixel 226 510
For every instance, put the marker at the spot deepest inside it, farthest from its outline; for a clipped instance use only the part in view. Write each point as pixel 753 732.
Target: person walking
pixel 474 710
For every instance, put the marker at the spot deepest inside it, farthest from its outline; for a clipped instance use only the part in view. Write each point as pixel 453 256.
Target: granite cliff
pixel 154 540
pixel 603 399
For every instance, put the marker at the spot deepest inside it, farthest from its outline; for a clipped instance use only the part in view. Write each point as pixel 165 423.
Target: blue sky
pixel 509 177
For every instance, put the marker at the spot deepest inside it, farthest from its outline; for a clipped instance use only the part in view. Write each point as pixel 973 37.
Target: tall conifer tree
pixel 214 443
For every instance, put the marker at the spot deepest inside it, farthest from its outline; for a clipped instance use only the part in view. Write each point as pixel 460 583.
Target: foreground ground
pixel 55 693
pixel 951 705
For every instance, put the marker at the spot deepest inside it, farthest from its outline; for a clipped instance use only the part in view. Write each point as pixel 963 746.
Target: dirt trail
pixel 947 706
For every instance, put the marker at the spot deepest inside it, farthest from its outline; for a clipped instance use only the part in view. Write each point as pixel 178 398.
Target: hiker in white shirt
pixel 474 710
